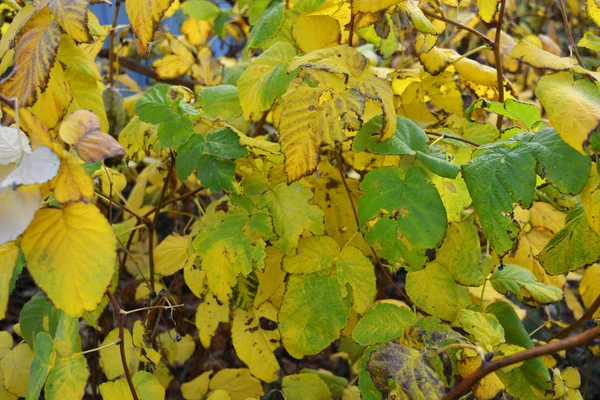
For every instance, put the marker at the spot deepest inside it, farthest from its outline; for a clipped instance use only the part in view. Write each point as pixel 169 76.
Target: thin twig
pixel 140 218
pixel 589 314
pixel 100 348
pixel 111 45
pixel 9 102
pixel 444 136
pixel 498 60
pixel 120 321
pixel 133 65
pixel 155 220
pixel 174 200
pixel 259 125
pixel 572 44
pixel 355 213
pixel 169 307
pixel 574 341
pixel 486 39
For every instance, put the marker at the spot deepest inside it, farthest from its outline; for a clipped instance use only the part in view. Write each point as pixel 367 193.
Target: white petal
pixel 17 208
pixel 37 167
pixel 13 143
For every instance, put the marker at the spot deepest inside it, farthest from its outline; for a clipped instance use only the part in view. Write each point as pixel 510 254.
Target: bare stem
pixel 486 39
pixel 101 347
pixel 572 44
pixel 459 139
pixel 111 45
pixel 574 341
pixel 589 314
pixel 169 307
pixel 498 60
pixel 120 321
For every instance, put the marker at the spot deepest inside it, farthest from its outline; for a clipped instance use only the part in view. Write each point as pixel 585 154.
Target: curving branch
pixel 475 32
pixel 589 314
pixel 498 60
pixel 574 341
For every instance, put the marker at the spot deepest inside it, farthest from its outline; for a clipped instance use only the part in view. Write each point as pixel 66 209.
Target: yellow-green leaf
pixel 305 387
pixel 110 357
pixel 540 58
pixel 197 387
pixel 237 382
pixel 589 287
pixel 171 254
pixel 487 9
pixel 314 253
pixel 70 253
pixel 590 199
pixel 15 369
pixel 433 290
pixel 576 123
pixel 357 271
pixel 9 253
pixel 67 378
pixel 483 328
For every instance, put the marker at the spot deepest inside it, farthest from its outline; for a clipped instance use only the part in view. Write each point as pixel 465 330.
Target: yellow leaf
pixel 237 382
pixel 53 103
pixel 145 16
pixel 304 387
pixel 208 317
pixel 176 64
pixel 487 9
pixel 8 35
pixel 35 53
pixel 70 253
pixel 9 253
pixel 575 123
pixel 82 130
pixel 540 58
pixel 178 350
pixel 486 388
pixel 475 72
pixel 312 32
pixel 15 369
pixel 4 394
pixel 118 390
pixel 590 198
pixel 593 10
pixel 255 345
pixel 72 183
pixel 137 138
pixel 108 176
pixel 72 16
pixel 271 280
pixel 197 387
pixel 434 61
pixel 589 287
pixel 84 80
pixel 171 254
pixel 207 70
pixel 110 357
pixel 197 32
pixel 6 344
pixel 219 394
pixel 371 6
pixel 195 278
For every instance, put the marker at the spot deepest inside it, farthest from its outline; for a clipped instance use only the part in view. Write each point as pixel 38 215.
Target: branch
pixel 460 139
pixel 119 316
pixel 574 341
pixel 486 39
pixel 132 65
pixel 572 44
pixel 155 221
pixel 111 46
pixel 498 59
pixel 589 314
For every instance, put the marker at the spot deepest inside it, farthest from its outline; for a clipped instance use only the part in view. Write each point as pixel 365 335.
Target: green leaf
pixel 265 79
pixel 41 364
pixel 522 283
pixel 19 265
pixel 527 113
pixel 483 328
pixel 305 387
pixel 90 168
pixel 312 314
pixel 573 247
pixel 307 6
pixel 533 371
pixel 436 162
pixel 590 41
pixel 434 291
pixel 188 156
pixel 383 322
pixel 404 372
pixel 407 139
pixel 68 378
pixel 202 10
pixel 216 174
pixel 559 163
pixel 410 213
pixel 336 384
pixel 461 255
pixel 314 253
pixel 67 340
pixel 155 107
pixel 268 25
pixel 496 179
pixel 38 315
pixel 220 102
pixel 225 143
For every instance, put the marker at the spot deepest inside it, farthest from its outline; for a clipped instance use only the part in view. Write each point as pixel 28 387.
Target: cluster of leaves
pixel 347 142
